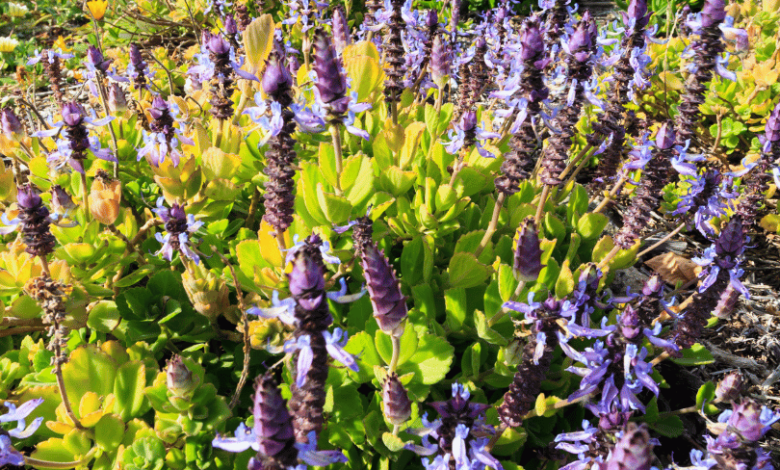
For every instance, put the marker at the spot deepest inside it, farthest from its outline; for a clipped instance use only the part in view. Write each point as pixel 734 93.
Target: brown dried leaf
pixel 674 268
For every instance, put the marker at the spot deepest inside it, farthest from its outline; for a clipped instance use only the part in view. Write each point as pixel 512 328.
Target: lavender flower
pixel 117 102
pixel 279 197
pixel 222 81
pixel 730 387
pixel 648 196
pixel 461 435
pixel 164 140
pixel 633 451
pixel 179 226
pixel 34 222
pixel 466 133
pixel 440 60
pixel 384 290
pixel 721 269
pixel 53 69
pixel 137 69
pixel 179 378
pixel 580 49
pixel 11 126
pixel 73 146
pixel 397 406
pixel 340 28
pixel 519 163
pixel 9 455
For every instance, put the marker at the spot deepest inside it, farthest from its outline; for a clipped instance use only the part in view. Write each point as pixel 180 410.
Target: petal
pixel 16 414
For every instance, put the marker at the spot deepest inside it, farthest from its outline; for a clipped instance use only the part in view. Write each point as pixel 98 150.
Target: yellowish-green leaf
pixel 258 41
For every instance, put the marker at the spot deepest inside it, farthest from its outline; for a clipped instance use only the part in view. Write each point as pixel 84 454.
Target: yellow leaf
pixel 269 247
pixel 412 136
pixel 362 64
pixel 258 40
pixel 765 74
pixel 541 405
pixel 670 80
pixel 771 223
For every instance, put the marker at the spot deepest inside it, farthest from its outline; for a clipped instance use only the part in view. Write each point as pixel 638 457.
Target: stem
pixel 45 265
pixel 439 99
pixel 661 357
pixel 37 463
pixel 250 216
pixel 61 384
pixel 396 340
pixel 542 201
pixel 167 72
pixel 661 241
pixel 336 135
pixel 396 429
pixel 245 322
pixel 104 100
pixel 394 109
pixel 282 244
pixel 609 257
pixel 492 226
pixel 575 161
pixel 611 195
pixel 88 214
pixel 20 330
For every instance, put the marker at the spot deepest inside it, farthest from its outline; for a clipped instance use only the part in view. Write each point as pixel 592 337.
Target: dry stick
pixel 250 216
pixel 245 321
pixel 661 241
pixel 610 196
pixel 167 72
pixel 20 329
pixel 492 226
pixel 609 257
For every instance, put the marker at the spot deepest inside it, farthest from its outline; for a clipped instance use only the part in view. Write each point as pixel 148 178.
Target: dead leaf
pixel 674 268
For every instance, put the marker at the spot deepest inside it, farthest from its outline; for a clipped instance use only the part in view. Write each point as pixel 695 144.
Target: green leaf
pixel 466 271
pixel 394 443
pixel 412 261
pixel 669 426
pixel 359 188
pixel 167 283
pixel 136 276
pixel 53 450
pixel 129 389
pixel 109 432
pixel 396 181
pixel 337 209
pixel 104 316
pixel 564 285
pixel 591 225
pixel 327 161
pixel 554 227
pixel 384 345
pixel 697 355
pixel 485 332
pixel 431 361
pixel 88 370
pixel 705 397
pixel 455 307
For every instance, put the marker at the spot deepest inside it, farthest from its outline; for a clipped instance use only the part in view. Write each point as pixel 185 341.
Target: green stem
pixel 336 135
pixel 542 201
pixel 85 190
pixel 396 340
pixel 492 226
pixel 38 463
pixel 115 144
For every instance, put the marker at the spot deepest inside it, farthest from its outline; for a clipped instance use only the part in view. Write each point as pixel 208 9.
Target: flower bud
pixel 528 254
pixel 273 424
pixel 217 45
pixel 331 84
pixel 61 201
pixel 306 275
pixel 104 198
pixel 772 128
pixel 664 139
pixel 580 39
pixel 340 29
pixel 630 324
pixel 96 59
pixel 276 76
pixel 116 99
pixel 180 380
pixel 27 198
pixel 440 60
pixel 398 407
pixel 432 20
pixel 633 451
pixel 384 291
pixel 12 127
pixel 532 41
pixel 730 387
pixel 208 292
pixel 230 25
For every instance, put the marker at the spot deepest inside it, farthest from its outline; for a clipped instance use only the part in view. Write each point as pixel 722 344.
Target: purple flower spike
pixel 772 128
pixel 730 387
pixel 12 127
pixel 273 425
pixel 331 83
pixel 637 11
pixel 340 29
pixel 713 13
pixel 384 291
pixel 440 60
pixel 665 137
pixel 276 76
pixel 398 407
pixel 95 59
pixel 35 222
pixel 72 114
pixel 634 450
pixel 532 41
pixel 528 254
pixel 116 99
pixel 179 226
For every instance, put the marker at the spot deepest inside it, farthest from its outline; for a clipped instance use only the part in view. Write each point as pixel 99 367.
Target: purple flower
pixel 165 139
pixel 730 387
pixel 395 399
pixel 633 451
pixel 384 290
pixel 528 254
pixel 331 82
pixel 11 126
pixel 179 226
pixel 96 61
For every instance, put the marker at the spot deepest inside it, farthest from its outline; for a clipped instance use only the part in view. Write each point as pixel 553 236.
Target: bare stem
pixel 336 136
pixel 661 241
pixel 609 197
pixel 38 463
pixel 492 226
pixel 396 340
pixel 250 216
pixel 542 201
pixel 85 190
pixel 20 330
pixel 45 265
pixel 61 384
pixel 609 257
